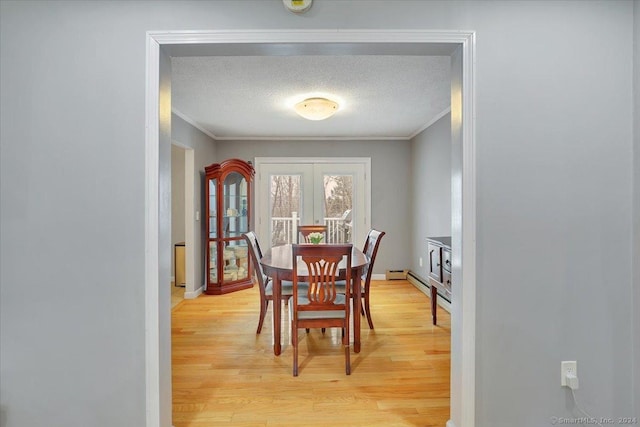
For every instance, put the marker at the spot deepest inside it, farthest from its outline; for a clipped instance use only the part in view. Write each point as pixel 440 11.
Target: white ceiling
pixel 251 97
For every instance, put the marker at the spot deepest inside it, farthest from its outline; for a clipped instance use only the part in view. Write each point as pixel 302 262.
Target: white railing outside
pixel 282 230
pixel 285 229
pixel 337 232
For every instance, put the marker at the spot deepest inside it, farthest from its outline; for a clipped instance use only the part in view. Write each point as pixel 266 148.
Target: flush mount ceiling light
pixel 297 6
pixel 316 108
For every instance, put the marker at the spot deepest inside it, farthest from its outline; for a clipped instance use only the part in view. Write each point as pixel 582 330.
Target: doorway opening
pixel 182 222
pixel 161 46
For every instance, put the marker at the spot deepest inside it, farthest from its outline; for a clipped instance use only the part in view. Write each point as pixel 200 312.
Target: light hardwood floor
pixel 226 375
pixel 177 295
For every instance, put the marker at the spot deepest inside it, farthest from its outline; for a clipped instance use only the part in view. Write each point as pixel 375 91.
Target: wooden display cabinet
pixel 228 210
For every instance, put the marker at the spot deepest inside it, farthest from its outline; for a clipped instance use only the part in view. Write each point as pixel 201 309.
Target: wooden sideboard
pixel 439 250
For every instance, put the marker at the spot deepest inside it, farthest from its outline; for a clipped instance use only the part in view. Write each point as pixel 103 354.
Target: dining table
pixel 277 263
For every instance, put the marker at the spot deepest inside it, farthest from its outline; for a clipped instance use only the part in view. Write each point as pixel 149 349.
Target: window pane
pixel 284 201
pixel 338 203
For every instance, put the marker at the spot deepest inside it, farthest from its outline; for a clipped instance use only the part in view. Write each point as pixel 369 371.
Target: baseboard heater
pixel 412 277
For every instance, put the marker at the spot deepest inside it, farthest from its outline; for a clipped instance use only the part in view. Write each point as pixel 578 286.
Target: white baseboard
pixel 446 305
pixel 194 294
pixel 450 424
pixel 378 277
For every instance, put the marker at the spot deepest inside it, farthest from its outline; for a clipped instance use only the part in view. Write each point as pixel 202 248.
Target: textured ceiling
pixel 251 97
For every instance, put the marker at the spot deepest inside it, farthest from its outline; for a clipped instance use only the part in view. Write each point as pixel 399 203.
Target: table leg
pixel 277 315
pixel 357 303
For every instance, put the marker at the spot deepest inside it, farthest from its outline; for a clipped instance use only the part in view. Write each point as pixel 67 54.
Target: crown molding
pixel 192 123
pixel 431 122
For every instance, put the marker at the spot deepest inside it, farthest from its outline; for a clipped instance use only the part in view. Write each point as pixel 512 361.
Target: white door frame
pixel 157 179
pixel 364 161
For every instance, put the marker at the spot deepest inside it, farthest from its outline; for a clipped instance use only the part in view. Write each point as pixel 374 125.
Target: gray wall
pixel 204 154
pixel 554 173
pixel 554 182
pixel 390 162
pixel 636 205
pixel 430 186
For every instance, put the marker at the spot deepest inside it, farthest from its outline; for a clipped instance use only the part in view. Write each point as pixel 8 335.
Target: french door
pixel 331 191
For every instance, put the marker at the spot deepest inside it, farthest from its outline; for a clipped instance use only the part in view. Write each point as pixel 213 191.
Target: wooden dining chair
pixel 319 305
pixel 265 284
pixel 305 230
pixel 371 251
pixel 374 237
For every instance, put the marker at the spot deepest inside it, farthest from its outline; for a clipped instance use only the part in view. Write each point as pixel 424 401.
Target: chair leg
pixel 294 343
pixel 347 351
pixel 367 309
pixel 347 356
pixel 263 313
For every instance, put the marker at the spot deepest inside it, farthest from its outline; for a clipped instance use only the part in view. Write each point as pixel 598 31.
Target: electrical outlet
pixel 420 261
pixel 568 368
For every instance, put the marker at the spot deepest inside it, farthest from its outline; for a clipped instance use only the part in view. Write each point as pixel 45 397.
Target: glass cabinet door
pixel 235 260
pixel 235 205
pixel 213 261
pixel 213 214
pixel 235 251
pixel 213 231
